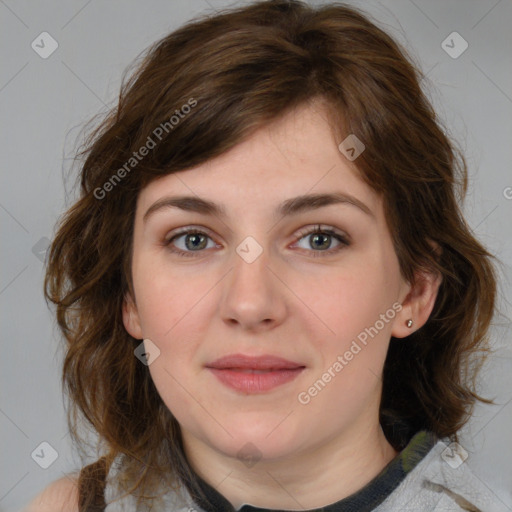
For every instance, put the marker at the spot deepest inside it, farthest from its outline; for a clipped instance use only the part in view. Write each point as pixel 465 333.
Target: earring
pixel 409 323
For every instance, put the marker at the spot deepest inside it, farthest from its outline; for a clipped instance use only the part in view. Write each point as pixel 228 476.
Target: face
pixel 316 284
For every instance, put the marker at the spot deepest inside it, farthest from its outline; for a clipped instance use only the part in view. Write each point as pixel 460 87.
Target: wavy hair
pixel 238 70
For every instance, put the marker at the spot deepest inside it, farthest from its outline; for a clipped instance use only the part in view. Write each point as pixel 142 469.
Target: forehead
pixel 294 155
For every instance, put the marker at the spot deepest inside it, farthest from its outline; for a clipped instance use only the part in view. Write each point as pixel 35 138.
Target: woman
pixel 270 297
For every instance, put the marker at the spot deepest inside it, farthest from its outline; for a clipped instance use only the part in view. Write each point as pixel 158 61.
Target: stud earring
pixel 409 323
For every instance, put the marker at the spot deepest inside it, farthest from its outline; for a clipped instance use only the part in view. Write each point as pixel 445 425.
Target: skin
pixel 287 303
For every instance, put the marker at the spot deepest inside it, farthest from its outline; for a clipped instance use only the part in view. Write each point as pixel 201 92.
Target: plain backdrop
pixel 46 101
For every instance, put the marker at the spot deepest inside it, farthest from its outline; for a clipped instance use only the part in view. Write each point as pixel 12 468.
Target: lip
pixel 251 374
pixel 264 362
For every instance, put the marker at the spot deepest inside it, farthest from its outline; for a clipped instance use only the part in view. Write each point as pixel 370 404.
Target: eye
pixel 192 240
pixel 321 238
pixel 188 241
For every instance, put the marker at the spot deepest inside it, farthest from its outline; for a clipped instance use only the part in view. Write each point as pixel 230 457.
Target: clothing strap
pixel 91 487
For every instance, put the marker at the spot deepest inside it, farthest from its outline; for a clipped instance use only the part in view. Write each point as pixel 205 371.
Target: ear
pixel 131 319
pixel 418 304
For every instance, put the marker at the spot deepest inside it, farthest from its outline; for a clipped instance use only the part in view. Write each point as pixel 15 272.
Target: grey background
pixel 45 102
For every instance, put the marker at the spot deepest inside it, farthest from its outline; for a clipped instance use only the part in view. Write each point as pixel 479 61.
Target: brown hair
pixel 237 71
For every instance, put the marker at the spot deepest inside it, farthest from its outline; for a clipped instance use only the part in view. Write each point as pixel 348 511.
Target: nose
pixel 253 298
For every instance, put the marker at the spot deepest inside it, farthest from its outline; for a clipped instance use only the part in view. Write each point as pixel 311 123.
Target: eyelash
pixel 327 230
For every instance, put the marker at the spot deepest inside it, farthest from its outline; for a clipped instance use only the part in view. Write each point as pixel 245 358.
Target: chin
pixel 250 452
pixel 252 442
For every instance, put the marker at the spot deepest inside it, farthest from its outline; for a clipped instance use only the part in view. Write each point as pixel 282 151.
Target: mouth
pixel 253 375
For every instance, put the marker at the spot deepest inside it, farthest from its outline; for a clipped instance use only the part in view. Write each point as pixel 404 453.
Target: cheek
pixel 352 351
pixel 350 303
pixel 172 326
pixel 165 297
pixel 351 299
pixel 174 389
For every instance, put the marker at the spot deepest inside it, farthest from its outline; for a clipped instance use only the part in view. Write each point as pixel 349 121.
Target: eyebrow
pixel 291 206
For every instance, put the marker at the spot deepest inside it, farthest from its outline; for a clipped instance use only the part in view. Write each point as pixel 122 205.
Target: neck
pixel 315 478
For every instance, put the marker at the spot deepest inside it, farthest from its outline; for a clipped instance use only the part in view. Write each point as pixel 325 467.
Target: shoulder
pixel 59 496
pixel 441 481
